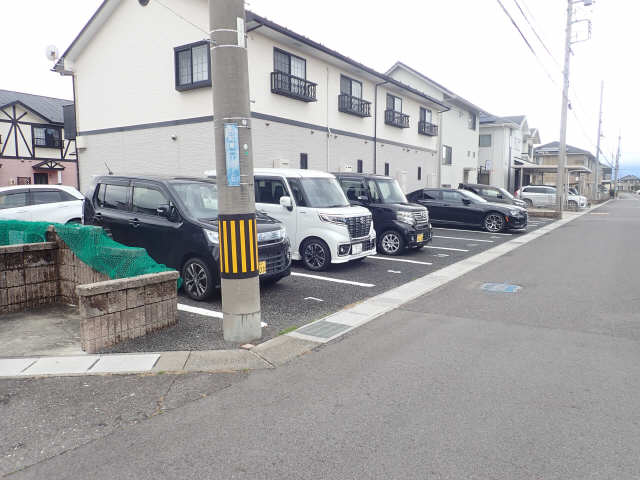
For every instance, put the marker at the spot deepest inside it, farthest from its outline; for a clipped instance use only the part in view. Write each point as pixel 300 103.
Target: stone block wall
pixel 116 310
pixel 28 276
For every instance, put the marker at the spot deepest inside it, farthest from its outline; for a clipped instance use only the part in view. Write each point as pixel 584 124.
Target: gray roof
pixel 47 107
pixel 554 147
pixel 629 178
pixel 489 118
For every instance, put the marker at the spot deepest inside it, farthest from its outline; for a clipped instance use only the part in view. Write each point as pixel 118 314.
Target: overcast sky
pixel 470 46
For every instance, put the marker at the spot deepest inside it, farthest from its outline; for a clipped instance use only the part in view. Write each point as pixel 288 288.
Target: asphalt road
pixel 460 383
pixel 300 298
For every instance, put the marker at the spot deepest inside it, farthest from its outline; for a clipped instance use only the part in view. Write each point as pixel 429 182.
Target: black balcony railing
pixel 396 119
pixel 354 105
pixel 428 128
pixel 294 87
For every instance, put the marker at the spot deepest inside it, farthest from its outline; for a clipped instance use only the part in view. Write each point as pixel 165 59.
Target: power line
pixel 544 45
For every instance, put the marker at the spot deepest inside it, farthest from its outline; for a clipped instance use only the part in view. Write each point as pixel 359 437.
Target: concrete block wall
pixel 28 276
pixel 116 310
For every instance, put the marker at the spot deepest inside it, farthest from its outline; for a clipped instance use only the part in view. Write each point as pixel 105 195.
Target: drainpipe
pixel 328 129
pixel 75 113
pixel 509 171
pixel 439 157
pixel 375 126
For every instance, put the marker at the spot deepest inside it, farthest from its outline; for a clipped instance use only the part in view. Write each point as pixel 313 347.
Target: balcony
pixel 396 119
pixel 293 87
pixel 354 105
pixel 428 128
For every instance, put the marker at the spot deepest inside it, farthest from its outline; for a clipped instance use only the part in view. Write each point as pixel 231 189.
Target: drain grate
pixel 323 329
pixel 500 287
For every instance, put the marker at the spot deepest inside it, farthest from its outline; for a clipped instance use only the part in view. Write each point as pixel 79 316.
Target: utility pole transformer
pixel 596 189
pixel 234 171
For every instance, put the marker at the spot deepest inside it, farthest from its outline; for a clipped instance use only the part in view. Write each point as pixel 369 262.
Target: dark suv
pixel 176 220
pixel 398 223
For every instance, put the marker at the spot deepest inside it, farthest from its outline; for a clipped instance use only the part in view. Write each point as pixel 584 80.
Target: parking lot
pixel 306 296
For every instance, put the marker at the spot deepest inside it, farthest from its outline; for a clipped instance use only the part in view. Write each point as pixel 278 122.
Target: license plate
pixel 356 249
pixel 262 267
pixel 420 237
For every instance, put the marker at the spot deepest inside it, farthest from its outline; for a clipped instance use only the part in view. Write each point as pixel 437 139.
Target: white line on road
pixel 399 260
pixel 447 248
pixel 199 311
pixel 336 280
pixel 468 239
pixel 394 271
pixel 314 299
pixel 599 213
pixel 474 231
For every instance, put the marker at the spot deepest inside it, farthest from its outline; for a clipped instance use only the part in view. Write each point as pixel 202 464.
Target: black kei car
pixel 398 223
pixel 493 194
pixel 449 206
pixel 176 220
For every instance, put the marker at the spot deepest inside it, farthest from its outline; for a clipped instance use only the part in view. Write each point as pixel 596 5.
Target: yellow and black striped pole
pixel 238 246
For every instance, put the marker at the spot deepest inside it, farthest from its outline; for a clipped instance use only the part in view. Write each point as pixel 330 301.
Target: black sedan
pixel 448 206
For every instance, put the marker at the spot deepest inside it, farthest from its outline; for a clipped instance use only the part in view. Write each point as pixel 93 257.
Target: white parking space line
pixel 599 213
pixel 199 311
pixel 447 248
pixel 375 257
pixel 314 299
pixel 474 231
pixel 336 280
pixel 467 239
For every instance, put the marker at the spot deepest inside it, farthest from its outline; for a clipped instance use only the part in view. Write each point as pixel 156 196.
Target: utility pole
pixel 562 160
pixel 596 187
pixel 234 167
pixel 615 185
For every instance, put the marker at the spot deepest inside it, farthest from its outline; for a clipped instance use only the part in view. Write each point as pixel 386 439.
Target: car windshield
pixel 505 193
pixel 199 198
pixel 390 191
pixel 323 193
pixel 472 196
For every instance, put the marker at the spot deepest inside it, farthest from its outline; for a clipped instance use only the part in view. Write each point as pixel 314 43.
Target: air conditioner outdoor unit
pixel 281 163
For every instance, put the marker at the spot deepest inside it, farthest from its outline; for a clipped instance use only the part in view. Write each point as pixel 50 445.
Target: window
pixel 193 66
pixel 287 63
pixel 147 200
pixel 394 103
pixel 304 161
pixel 49 137
pixel 114 196
pixel 40 178
pixel 359 166
pixel 419 173
pixel 449 196
pixel 490 192
pixel 269 190
pixel 297 192
pixel 350 86
pixel 472 121
pixel 425 115
pixel 447 155
pixel 432 195
pixel 354 188
pixel 13 200
pixel 386 169
pixel 41 197
pixel 374 195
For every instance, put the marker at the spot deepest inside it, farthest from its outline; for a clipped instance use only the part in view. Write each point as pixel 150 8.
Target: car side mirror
pixel 466 201
pixel 363 199
pixel 286 203
pixel 163 211
pixel 500 196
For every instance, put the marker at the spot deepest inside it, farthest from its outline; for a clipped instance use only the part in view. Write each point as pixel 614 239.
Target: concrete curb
pixel 282 349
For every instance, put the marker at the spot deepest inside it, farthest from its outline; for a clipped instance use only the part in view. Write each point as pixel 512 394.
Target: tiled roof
pixel 48 107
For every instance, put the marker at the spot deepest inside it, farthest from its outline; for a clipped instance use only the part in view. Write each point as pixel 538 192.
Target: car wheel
pixel 573 205
pixel 198 281
pixel 528 202
pixel 316 255
pixel 391 243
pixel 494 222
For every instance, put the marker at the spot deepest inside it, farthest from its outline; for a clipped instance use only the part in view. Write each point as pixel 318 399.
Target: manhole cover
pixel 323 329
pixel 500 287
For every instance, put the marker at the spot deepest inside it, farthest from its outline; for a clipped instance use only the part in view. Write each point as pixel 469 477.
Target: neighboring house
pixel 629 183
pixel 34 148
pixel 144 101
pixel 506 147
pixel 581 166
pixel 459 127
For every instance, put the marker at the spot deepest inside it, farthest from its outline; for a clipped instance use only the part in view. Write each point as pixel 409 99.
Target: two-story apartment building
pixel 581 166
pixel 506 145
pixel 33 145
pixel 629 183
pixel 459 129
pixel 142 88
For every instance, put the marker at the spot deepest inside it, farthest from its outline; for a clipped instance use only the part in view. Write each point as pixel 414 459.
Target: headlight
pixel 514 212
pixel 272 236
pixel 405 217
pixel 338 219
pixel 212 236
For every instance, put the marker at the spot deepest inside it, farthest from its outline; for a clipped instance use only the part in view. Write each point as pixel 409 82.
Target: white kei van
pixel 321 224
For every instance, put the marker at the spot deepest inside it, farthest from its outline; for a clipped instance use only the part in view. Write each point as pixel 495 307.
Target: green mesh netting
pixel 90 244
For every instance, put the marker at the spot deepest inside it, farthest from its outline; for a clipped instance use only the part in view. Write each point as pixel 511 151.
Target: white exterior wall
pixel 125 80
pixel 464 143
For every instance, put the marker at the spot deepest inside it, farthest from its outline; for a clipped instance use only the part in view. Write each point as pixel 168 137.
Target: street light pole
pixel 596 189
pixel 234 166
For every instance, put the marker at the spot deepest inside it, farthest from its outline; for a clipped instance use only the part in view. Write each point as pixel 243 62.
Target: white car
pixel 41 203
pixel 545 196
pixel 321 224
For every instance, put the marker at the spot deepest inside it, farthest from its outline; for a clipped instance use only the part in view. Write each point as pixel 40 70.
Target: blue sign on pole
pixel 232 152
